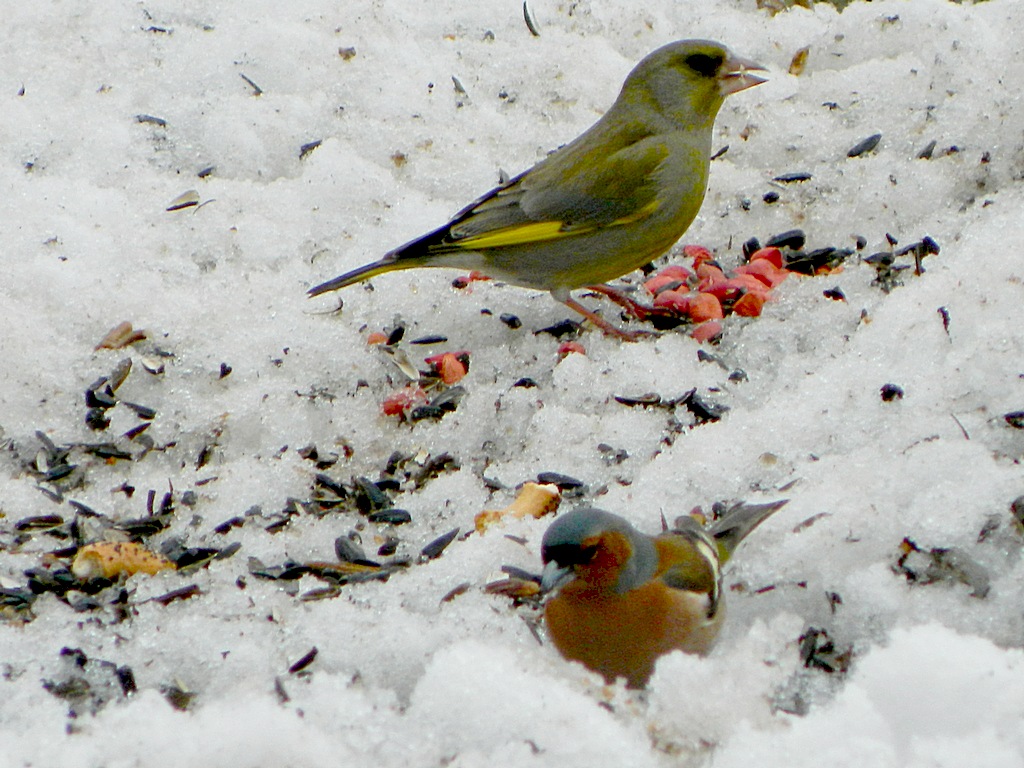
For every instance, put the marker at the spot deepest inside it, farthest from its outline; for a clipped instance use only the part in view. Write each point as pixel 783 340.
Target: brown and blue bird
pixel 624 599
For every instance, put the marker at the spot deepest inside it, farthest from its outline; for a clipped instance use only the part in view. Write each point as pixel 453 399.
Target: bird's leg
pixel 636 309
pixel 599 321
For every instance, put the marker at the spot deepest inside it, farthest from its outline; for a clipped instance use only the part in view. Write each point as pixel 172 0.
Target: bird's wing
pixel 737 522
pixel 567 194
pixel 689 561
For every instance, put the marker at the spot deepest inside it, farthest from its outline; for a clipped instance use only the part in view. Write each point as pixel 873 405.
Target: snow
pixel 402 678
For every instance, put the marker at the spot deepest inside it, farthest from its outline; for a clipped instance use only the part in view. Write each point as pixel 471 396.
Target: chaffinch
pixel 624 598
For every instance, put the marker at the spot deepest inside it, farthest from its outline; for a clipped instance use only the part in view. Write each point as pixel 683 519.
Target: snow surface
pixel 401 678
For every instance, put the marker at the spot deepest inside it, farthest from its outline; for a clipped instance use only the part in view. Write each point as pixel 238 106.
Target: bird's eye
pixel 705 64
pixel 568 554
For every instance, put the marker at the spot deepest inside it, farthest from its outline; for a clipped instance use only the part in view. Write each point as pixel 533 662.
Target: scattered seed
pixel 511 321
pixel 891 392
pixel 455 591
pixel 564 328
pixel 142 411
pixel 432 339
pixel 83 509
pixel 750 247
pixel 325 481
pixel 120 373
pixel 369 497
pixel 810 521
pixel 702 411
pixel 153 366
pixel 348 550
pixel 59 472
pixel 928 246
pixel 818 651
pixel 120 336
pixel 308 147
pixel 445 402
pixel 1015 419
pixel 401 361
pixel 564 482
pixel 865 145
pixel 151 120
pixel 811 262
pixel 1017 510
pixel 836 294
pixel 48 445
pixel 229 551
pixel 789 178
pixel 145 526
pixel 177 696
pixel 321 593
pixel 534 500
pixel 126 679
pixel 96 419
pixel 190 558
pixel 99 395
pixel 186 199
pixel 438 545
pixel 39 523
pixel 651 398
pixel 928 566
pixel 304 662
pixel 107 451
pixel 799 61
pixel 517 589
pixel 612 456
pixel 391 516
pixel 109 560
pixel 791 238
pixel 182 593
pixel 134 432
pixel 530 23
pixel 256 90
pixel 205 454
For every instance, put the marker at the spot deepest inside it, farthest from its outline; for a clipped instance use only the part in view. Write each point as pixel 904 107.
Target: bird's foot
pixel 641 312
pixel 603 324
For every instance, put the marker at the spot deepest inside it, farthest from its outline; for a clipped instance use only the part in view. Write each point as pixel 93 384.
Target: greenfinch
pixel 612 200
pixel 623 599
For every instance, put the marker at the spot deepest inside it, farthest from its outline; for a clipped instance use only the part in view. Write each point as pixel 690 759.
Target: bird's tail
pixel 737 522
pixel 364 272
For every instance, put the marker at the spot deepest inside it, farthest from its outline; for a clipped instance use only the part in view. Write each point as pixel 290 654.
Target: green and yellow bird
pixel 615 198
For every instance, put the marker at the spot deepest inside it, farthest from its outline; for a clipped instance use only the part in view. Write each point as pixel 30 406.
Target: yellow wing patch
pixel 643 213
pixel 543 231
pixel 520 234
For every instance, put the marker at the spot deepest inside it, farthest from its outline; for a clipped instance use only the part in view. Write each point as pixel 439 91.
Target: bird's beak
pixel 736 75
pixel 554 576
